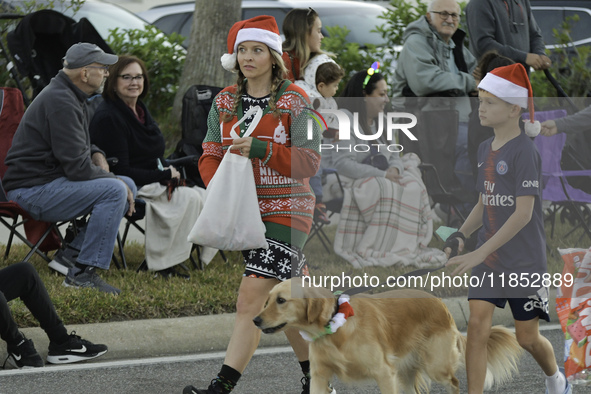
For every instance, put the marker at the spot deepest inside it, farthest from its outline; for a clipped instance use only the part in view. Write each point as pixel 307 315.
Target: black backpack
pixel 197 102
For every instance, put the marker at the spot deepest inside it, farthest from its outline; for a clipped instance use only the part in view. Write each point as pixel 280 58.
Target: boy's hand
pixel 454 244
pixel 465 262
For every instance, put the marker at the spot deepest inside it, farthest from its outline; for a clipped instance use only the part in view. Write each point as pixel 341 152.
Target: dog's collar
pixel 343 311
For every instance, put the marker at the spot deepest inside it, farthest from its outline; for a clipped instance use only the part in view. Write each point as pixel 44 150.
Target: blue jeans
pixel 62 200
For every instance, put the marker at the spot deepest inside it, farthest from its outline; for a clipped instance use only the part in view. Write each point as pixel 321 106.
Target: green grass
pixel 210 291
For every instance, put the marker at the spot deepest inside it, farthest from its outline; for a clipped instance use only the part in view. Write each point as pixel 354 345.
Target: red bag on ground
pixel 573 305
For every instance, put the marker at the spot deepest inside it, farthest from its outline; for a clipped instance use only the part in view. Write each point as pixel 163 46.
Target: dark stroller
pixel 40 41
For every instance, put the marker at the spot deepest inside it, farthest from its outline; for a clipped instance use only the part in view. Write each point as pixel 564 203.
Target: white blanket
pixel 169 222
pixel 385 223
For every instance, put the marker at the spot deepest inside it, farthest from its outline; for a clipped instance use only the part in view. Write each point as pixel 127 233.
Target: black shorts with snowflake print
pixel 281 261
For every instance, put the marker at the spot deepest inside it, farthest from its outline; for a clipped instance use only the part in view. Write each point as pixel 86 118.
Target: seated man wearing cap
pixel 55 174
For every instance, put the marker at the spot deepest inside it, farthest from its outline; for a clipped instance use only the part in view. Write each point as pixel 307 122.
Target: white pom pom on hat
pixel 511 84
pixel 261 28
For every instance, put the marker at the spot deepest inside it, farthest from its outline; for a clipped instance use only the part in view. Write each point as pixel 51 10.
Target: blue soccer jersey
pixel 513 170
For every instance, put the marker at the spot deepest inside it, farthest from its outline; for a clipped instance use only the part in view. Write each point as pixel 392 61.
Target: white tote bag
pixel 231 218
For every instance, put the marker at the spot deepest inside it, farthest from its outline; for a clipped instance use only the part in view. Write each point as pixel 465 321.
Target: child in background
pixel 511 242
pixel 321 82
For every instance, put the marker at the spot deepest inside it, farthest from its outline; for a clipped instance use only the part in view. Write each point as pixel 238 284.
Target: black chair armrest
pixel 327 171
pixel 140 210
pixel 112 161
pixel 183 161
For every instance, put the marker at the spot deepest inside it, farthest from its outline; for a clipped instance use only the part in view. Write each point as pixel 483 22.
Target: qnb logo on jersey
pixel 345 130
pixel 535 184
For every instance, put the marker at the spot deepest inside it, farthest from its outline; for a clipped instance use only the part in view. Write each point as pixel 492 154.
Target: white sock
pixel 556 383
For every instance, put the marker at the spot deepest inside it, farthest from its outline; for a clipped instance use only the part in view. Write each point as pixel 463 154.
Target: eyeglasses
pixel 104 68
pixel 444 15
pixel 130 78
pixel 375 68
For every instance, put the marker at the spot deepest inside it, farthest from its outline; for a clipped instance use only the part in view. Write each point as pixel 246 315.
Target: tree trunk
pixel 212 21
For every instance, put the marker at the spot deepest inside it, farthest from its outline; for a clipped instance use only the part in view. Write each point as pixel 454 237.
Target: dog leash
pixel 451 241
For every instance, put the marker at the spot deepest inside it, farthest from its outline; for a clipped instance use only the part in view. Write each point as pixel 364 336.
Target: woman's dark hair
pixel 491 60
pixel 355 88
pixel 116 69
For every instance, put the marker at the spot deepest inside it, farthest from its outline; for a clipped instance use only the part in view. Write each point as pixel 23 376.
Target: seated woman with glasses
pixel 123 128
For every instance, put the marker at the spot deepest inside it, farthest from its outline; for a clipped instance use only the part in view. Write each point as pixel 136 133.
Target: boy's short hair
pixel 329 72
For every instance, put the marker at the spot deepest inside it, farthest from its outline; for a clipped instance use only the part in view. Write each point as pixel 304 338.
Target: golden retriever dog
pixel 402 338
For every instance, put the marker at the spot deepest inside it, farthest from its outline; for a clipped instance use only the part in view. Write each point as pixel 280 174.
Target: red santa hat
pixel 261 28
pixel 511 84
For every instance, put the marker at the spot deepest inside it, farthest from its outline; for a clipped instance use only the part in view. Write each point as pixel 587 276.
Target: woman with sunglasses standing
pixel 302 28
pixel 303 56
pixel 123 128
pixel 269 114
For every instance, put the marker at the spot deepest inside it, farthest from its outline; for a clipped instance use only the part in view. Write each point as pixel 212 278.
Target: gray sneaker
pixel 88 278
pixel 63 261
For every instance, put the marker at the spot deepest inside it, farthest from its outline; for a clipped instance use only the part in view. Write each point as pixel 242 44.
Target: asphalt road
pixel 271 371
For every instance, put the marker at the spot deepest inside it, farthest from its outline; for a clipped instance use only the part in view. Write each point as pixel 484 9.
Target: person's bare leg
pixel 299 345
pixel 529 338
pixel 479 327
pixel 245 338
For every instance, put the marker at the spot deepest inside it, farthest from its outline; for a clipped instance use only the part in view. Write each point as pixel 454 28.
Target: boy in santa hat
pixel 509 262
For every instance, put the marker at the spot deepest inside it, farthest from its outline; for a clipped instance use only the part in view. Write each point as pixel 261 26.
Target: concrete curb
pixel 200 334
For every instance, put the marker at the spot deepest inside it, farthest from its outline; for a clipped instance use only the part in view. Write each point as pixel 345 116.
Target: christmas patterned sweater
pixel 282 156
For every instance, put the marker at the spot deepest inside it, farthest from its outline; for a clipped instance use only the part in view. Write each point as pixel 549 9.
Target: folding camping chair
pixel 556 188
pixel 436 133
pixel 197 102
pixel 40 237
pixel 332 206
pixel 140 213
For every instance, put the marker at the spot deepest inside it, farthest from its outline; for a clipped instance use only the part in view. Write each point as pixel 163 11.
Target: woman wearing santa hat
pixel 283 157
pixel 509 263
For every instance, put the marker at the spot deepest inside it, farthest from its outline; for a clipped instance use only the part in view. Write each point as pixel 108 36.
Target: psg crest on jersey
pixel 502 167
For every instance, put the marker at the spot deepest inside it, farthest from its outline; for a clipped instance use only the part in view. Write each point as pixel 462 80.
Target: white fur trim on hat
pixel 229 61
pixel 505 90
pixel 269 38
pixel 532 129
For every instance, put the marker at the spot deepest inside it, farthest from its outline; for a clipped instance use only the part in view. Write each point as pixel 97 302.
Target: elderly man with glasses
pixel 509 28
pixel 55 174
pixel 435 63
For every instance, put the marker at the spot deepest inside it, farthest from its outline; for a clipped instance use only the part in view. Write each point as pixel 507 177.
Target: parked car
pixel 550 14
pixel 359 17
